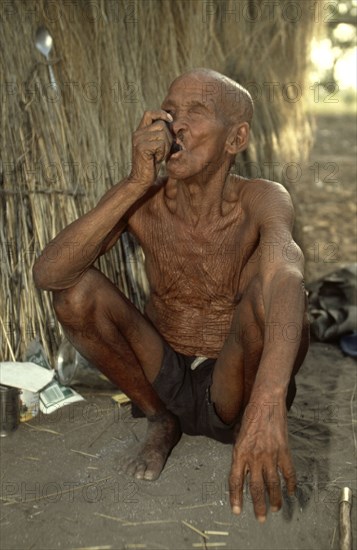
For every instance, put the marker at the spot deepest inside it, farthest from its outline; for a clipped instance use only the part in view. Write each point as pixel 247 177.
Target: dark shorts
pixel 186 393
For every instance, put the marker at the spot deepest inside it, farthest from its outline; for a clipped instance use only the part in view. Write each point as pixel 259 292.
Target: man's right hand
pixel 151 144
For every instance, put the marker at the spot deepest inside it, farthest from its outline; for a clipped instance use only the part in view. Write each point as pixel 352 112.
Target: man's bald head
pixel 233 100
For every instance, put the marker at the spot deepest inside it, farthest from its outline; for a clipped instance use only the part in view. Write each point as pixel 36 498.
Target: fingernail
pixel 236 510
pixel 274 509
pixel 170 117
pixel 261 519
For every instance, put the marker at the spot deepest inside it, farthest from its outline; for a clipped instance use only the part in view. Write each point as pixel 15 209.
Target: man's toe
pixel 130 468
pixel 153 471
pixel 140 470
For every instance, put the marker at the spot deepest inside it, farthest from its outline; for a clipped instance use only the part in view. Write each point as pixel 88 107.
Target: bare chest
pixel 195 266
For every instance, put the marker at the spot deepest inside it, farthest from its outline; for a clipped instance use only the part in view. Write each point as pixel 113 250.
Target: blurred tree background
pixel 112 59
pixel 334 54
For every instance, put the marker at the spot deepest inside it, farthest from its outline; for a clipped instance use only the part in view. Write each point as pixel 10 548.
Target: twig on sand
pixel 345 519
pixel 83 453
pixel 109 517
pixel 196 506
pixel 333 537
pixel 208 544
pixel 194 529
pixel 41 429
pixel 100 433
pixel 352 418
pixel 149 522
pixel 218 533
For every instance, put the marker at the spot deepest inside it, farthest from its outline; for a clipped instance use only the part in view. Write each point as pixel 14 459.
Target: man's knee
pixel 73 304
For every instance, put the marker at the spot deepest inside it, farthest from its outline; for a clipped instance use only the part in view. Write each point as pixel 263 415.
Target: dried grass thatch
pixel 113 59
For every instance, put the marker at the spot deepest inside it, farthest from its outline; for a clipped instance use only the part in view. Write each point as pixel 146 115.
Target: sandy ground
pixel 59 483
pixel 55 497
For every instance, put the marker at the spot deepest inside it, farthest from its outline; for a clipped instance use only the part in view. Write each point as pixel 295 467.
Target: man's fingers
pixel 158 125
pixel 272 483
pixel 288 471
pixel 151 116
pixel 290 480
pixel 236 482
pixel 161 131
pixel 155 143
pixel 257 492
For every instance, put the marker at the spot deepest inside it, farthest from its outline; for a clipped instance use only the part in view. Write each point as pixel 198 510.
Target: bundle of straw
pixel 62 149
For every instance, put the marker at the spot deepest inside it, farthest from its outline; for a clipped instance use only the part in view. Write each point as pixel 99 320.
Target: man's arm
pixel 262 444
pixel 281 272
pixel 69 255
pixel 66 258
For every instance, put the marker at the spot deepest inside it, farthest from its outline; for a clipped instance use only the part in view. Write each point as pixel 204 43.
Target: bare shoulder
pixel 263 199
pixel 272 201
pixel 247 189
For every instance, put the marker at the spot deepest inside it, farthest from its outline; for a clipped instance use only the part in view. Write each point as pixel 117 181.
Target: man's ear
pixel 238 138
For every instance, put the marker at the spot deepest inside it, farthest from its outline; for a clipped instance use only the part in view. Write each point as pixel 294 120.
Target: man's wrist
pixel 264 407
pixel 267 391
pixel 140 179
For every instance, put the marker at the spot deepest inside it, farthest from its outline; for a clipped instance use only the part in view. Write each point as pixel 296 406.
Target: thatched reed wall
pixel 113 59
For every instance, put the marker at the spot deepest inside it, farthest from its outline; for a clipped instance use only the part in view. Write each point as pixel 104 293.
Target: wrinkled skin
pixel 225 279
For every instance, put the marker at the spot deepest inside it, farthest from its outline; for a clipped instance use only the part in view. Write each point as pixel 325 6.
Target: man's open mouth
pixel 176 147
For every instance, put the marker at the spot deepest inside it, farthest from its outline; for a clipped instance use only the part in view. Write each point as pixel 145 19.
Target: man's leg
pixel 105 327
pixel 237 364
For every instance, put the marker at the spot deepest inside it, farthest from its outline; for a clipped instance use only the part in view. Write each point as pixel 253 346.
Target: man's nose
pixel 179 124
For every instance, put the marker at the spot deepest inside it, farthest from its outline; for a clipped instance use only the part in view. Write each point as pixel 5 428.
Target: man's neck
pixel 196 200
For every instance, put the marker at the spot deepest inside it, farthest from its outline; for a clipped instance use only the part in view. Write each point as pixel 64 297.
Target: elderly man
pixel 225 329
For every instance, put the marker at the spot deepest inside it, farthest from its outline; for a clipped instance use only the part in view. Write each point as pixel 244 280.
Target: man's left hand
pixel 261 449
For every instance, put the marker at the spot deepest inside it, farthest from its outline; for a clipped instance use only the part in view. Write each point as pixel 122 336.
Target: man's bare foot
pixel 163 432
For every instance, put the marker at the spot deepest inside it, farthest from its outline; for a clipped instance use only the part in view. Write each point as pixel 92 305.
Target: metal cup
pixel 9 410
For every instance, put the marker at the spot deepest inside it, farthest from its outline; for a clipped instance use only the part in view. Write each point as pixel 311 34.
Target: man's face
pixel 198 126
